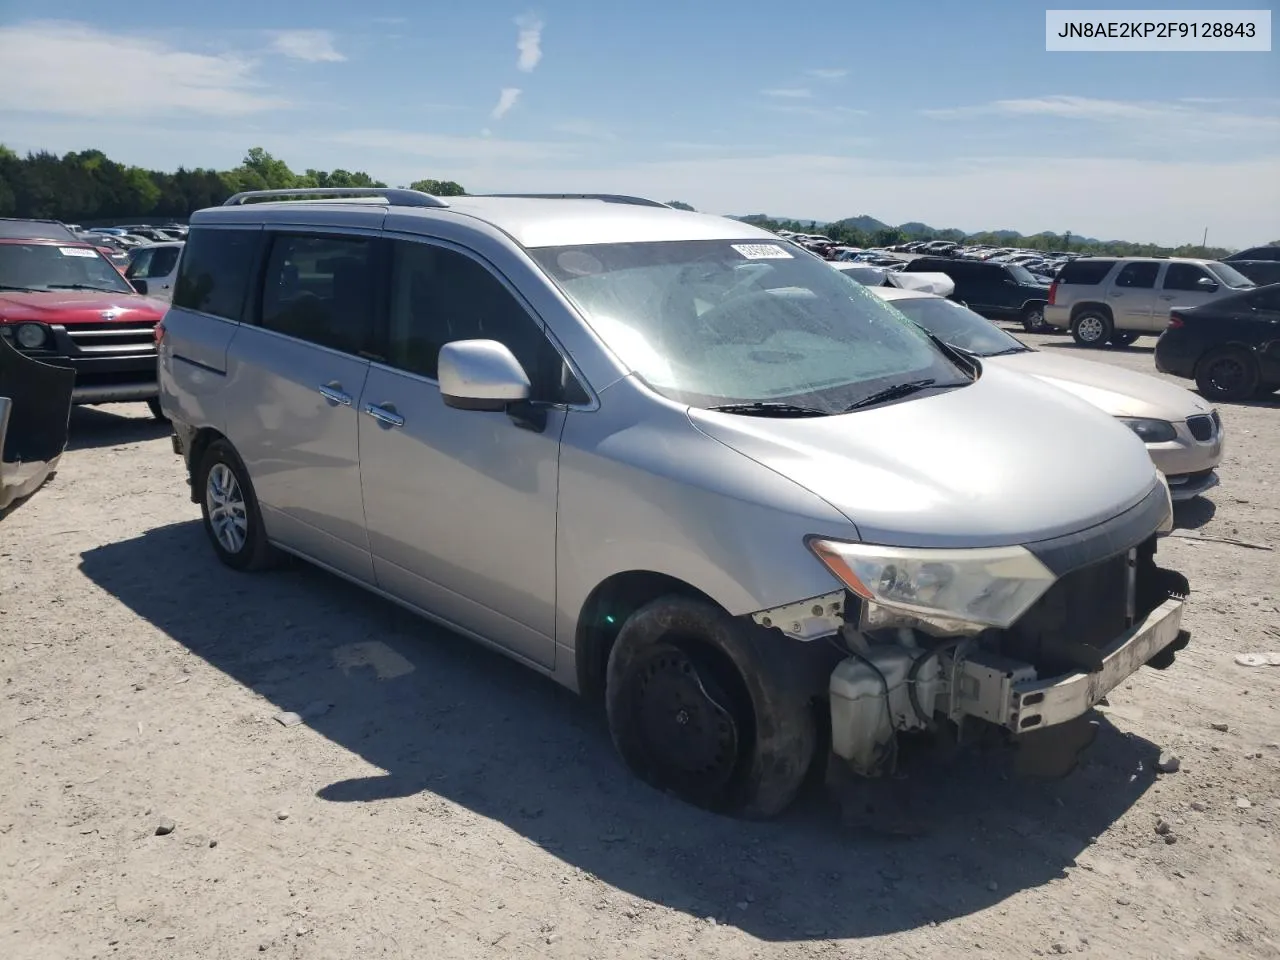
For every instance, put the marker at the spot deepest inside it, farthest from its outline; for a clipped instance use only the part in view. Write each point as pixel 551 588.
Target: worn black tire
pixel 1213 386
pixel 156 411
pixel 256 553
pixel 1097 327
pixel 741 667
pixel 1123 338
pixel 1033 318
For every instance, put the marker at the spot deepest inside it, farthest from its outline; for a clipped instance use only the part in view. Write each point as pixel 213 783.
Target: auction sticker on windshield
pixel 78 252
pixel 762 251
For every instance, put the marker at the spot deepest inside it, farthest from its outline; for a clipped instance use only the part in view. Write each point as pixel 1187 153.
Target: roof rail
pixel 394 195
pixel 605 197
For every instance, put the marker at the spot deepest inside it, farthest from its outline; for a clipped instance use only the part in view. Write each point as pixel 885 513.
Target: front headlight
pixel 1151 431
pixel 992 586
pixel 30 335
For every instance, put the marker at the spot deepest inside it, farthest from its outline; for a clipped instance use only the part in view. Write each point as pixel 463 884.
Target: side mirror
pixel 140 286
pixel 1209 286
pixel 484 375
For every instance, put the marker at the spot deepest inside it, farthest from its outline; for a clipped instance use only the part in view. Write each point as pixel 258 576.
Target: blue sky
pixel 948 113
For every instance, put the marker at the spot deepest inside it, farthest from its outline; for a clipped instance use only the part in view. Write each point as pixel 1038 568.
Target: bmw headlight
pixel 991 586
pixel 1151 431
pixel 31 336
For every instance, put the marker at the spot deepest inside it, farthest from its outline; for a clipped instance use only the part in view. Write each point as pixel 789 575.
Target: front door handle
pixel 333 393
pixel 385 414
pixel 1166 296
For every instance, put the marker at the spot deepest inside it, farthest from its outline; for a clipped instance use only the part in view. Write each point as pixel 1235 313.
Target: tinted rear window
pixel 213 273
pixel 1085 271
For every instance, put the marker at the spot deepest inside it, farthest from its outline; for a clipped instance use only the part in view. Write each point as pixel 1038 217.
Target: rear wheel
pixel 1229 374
pixel 1091 328
pixel 697 707
pixel 1033 319
pixel 230 510
pixel 1122 338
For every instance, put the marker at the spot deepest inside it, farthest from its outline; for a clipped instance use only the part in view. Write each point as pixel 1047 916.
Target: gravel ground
pixel 440 801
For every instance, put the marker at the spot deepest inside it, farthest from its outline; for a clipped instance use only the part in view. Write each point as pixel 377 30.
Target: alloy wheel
pixel 228 514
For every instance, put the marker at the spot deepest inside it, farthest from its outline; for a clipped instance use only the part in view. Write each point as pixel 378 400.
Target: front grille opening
pixel 1201 427
pixel 1087 610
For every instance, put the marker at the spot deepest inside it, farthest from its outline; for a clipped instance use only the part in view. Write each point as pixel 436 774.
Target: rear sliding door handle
pixel 385 415
pixel 333 393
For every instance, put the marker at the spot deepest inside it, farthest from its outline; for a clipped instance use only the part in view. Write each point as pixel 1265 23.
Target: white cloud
pixel 529 42
pixel 55 67
pixel 506 100
pixel 788 93
pixel 1185 119
pixel 314 46
pixel 838 73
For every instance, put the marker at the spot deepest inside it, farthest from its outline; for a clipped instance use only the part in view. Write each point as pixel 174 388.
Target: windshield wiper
pixel 768 408
pixel 892 393
pixel 82 286
pixel 1005 353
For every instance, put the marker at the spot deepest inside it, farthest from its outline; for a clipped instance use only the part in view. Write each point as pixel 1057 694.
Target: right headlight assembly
pixel 989 586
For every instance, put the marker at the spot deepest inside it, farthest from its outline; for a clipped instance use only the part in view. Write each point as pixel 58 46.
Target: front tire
pixel 229 506
pixel 156 410
pixel 1229 374
pixel 1091 328
pixel 699 704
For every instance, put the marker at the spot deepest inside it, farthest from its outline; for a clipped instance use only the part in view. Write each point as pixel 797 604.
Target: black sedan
pixel 1230 346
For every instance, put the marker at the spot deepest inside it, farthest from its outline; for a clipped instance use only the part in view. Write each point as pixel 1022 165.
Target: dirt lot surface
pixel 440 801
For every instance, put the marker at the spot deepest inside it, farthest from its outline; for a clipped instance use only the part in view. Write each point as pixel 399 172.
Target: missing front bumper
pixel 1010 694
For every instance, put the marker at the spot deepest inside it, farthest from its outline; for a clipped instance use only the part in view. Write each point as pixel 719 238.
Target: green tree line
pixel 88 186
pixel 847 235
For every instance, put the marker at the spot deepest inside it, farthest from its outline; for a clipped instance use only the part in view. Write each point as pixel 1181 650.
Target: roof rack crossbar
pixel 394 195
pixel 604 197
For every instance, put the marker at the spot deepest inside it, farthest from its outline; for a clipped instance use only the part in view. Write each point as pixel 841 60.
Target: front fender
pixel 652 493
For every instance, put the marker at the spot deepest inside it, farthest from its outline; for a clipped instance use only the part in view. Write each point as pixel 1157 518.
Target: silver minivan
pixel 670 463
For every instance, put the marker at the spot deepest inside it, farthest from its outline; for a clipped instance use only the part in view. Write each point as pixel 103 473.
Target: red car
pixel 63 303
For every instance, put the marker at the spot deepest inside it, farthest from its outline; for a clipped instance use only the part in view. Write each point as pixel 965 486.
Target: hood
pixel 79 307
pixel 1008 459
pixel 1119 392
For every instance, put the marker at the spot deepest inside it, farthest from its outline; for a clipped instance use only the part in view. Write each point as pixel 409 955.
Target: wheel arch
pixel 200 442
pixel 1080 308
pixel 604 612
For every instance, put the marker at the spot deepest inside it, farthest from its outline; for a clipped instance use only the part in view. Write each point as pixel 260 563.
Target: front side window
pixel 1229 276
pixel 320 289
pixel 717 322
pixel 43 267
pixel 213 273
pixel 139 264
pixel 153 263
pixel 1185 276
pixel 163 261
pixel 1140 276
pixel 1021 275
pixel 439 295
